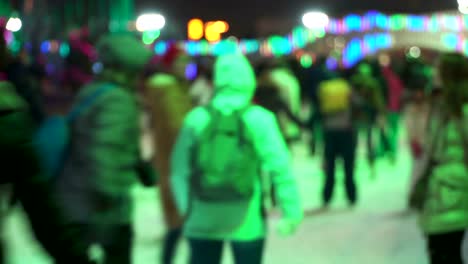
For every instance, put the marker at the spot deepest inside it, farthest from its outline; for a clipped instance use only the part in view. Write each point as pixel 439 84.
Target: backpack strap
pixel 88 101
pixel 242 126
pixel 462 132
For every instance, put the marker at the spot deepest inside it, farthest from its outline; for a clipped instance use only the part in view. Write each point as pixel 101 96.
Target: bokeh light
pixel 14 24
pixel 195 29
pixel 150 22
pixel 191 71
pixel 306 61
pixel 315 20
pixel 64 49
pixel 149 37
pixel 214 30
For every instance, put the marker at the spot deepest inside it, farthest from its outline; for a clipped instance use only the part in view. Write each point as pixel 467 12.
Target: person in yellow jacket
pixel 337 100
pixel 169 100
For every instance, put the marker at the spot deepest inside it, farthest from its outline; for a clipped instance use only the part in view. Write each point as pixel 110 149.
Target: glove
pixel 96 254
pixel 287 227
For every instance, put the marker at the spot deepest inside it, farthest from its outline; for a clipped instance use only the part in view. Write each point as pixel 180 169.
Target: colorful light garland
pixel 378 26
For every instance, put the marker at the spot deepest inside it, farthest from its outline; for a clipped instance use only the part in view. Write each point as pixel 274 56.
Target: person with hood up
pixel 212 218
pixel 103 158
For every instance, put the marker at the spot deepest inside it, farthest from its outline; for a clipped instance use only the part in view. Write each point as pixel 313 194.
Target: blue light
pixel 352 53
pixel 192 48
pixel 332 63
pixel 416 23
pixel 333 27
pixel 370 42
pixel 97 67
pixel 383 41
pixel 299 37
pixel 252 46
pixel 450 41
pixel 353 23
pixel 451 23
pixel 382 21
pixel 191 71
pixel 45 47
pixel 217 49
pixel 160 48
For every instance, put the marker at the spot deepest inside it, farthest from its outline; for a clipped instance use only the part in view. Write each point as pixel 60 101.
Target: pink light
pixel 9 37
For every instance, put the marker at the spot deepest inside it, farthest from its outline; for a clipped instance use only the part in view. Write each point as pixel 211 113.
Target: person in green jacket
pixel 102 164
pixel 444 207
pixel 208 224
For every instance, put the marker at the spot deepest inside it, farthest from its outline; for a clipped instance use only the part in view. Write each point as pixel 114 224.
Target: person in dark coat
pixel 22 178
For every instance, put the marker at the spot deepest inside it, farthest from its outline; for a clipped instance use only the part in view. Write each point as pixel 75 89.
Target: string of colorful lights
pixel 375 29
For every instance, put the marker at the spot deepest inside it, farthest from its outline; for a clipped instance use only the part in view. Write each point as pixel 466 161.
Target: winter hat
pixel 172 53
pixel 124 52
pixel 81 45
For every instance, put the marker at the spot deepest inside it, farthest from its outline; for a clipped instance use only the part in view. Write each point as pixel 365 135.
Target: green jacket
pixel 446 205
pixel 101 165
pixel 234 82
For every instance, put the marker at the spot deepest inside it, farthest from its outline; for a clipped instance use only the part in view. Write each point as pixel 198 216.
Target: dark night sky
pixel 241 14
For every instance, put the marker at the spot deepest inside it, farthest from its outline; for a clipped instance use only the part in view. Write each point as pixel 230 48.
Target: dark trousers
pixel 116 241
pixel 393 132
pixel 316 130
pixel 371 150
pixel 340 143
pixel 377 149
pixel 171 240
pixel 210 251
pixel 446 248
pixel 2 255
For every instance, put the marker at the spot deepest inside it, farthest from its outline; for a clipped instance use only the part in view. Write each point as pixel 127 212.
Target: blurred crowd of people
pixel 223 133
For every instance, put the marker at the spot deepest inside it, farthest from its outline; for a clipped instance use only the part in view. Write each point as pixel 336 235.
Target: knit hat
pixel 123 51
pixel 172 53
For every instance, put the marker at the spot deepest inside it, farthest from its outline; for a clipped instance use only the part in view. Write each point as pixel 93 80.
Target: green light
pixel 299 36
pixel 279 45
pixel 397 22
pixel 150 36
pixel 306 61
pixel 205 47
pixel 15 46
pixel 320 33
pixel 64 50
pixel 434 24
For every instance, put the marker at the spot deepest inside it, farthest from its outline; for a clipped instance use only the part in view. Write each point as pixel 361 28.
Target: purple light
pixel 332 63
pixel 191 71
pixel 50 68
pixel 9 37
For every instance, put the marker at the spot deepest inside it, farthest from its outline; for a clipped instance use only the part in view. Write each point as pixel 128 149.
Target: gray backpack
pixel 226 167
